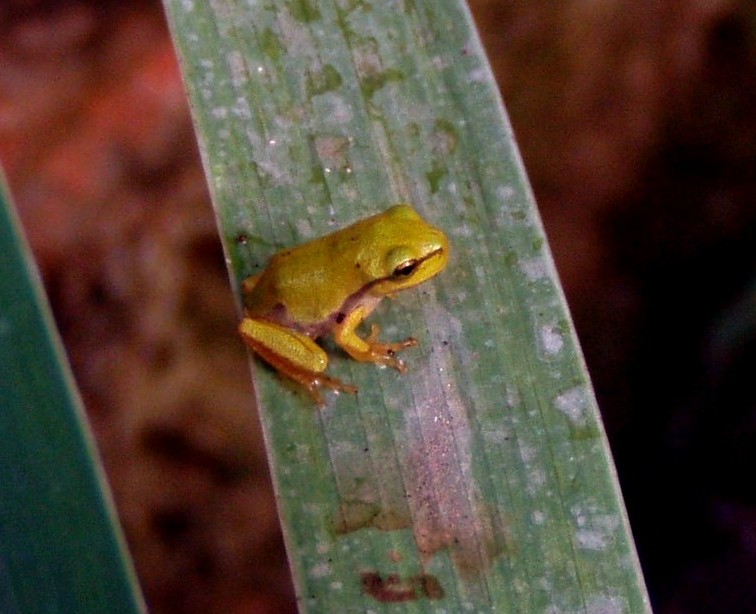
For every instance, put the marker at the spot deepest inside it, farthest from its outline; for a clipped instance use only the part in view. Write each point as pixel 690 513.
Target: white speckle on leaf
pixel 595 530
pixel 323 548
pixel 321 570
pixel 591 540
pixel 538 517
pixel 187 5
pixel 505 192
pixel 304 228
pixel 241 108
pixel 605 604
pixel 219 112
pixel 574 404
pixel 479 75
pixel 274 168
pixel 463 230
pixel 527 452
pixel 238 68
pixel 513 398
pixel 534 269
pixel 342 112
pixel 551 339
pixel 294 36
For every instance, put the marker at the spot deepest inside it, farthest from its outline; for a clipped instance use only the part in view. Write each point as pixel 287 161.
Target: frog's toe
pixel 315 383
pixel 385 353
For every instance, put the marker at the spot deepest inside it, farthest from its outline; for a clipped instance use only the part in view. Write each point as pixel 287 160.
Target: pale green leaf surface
pixel 61 549
pixel 480 480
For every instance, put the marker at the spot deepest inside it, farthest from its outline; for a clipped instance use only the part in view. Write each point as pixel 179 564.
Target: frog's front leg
pixel 370 349
pixel 292 354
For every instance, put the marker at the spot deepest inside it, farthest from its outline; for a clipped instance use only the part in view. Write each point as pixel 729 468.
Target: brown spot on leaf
pixel 393 589
pixel 356 515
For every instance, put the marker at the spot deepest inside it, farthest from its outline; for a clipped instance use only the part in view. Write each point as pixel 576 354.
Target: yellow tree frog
pixel 330 285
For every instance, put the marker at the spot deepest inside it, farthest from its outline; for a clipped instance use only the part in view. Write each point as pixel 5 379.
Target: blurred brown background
pixel 637 122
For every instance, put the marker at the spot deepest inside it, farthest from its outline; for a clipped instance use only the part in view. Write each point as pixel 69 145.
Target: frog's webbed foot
pixel 372 350
pixel 293 355
pixel 315 383
pixel 385 353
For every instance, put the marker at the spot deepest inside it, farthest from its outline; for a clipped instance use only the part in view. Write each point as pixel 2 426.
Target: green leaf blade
pixel 481 480
pixel 61 549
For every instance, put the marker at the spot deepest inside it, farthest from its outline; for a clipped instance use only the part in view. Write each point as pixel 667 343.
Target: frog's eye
pixel 400 263
pixel 405 269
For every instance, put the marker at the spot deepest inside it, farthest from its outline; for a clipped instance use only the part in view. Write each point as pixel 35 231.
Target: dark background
pixel 637 123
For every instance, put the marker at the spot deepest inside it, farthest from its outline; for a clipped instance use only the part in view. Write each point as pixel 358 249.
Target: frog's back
pixel 305 285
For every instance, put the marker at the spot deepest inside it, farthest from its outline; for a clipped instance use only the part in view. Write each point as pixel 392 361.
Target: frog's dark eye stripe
pixel 405 269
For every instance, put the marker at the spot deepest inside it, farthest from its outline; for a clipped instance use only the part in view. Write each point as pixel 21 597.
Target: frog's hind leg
pixel 292 354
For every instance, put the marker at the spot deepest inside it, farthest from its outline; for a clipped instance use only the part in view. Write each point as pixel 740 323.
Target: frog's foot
pixel 385 353
pixel 371 350
pixel 315 382
pixel 293 355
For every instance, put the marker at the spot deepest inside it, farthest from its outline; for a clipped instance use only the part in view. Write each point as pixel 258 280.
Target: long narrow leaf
pixel 60 546
pixel 481 480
